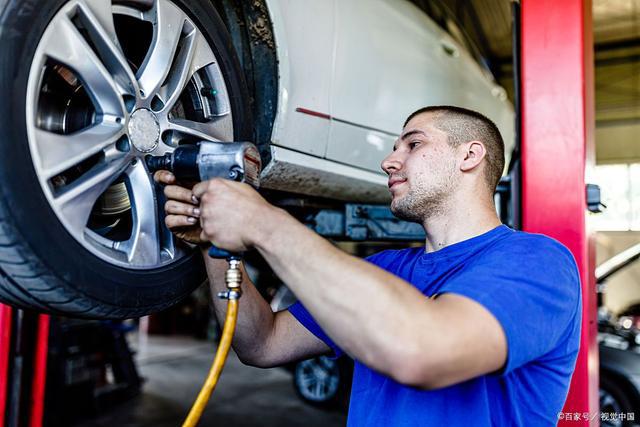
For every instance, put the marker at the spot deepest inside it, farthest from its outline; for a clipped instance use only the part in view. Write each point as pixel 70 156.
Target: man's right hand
pixel 182 208
pixel 262 338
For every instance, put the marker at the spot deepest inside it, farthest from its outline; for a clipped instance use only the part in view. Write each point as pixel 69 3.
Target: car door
pixel 304 35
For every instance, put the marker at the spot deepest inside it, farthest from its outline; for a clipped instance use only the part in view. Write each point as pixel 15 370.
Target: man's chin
pixel 403 213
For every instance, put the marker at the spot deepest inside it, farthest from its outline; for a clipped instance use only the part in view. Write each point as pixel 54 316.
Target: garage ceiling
pixel 616 28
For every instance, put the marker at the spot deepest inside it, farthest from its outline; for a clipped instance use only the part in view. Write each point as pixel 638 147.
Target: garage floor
pixel 174 369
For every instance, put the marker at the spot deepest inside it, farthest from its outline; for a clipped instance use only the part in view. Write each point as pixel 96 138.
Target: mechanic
pixel 480 327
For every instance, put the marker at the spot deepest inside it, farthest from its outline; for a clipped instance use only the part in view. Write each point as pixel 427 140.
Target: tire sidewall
pixel 23 203
pixel 617 391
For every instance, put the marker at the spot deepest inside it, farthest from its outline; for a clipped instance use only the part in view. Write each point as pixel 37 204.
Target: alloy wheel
pixel 108 85
pixel 318 378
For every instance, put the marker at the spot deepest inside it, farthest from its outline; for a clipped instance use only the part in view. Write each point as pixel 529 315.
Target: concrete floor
pixel 174 369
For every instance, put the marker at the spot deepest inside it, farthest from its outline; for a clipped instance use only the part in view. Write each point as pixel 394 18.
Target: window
pixel 620 190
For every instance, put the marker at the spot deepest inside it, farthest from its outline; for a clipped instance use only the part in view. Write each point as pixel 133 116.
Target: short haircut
pixel 463 125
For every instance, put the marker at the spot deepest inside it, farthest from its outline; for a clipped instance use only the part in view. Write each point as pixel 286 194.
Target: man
pixel 479 327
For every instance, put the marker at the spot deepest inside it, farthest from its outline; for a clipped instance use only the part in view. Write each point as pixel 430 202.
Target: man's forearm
pixel 255 318
pixel 366 310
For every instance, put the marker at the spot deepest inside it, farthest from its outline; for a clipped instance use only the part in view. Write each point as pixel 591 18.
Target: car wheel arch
pixel 251 30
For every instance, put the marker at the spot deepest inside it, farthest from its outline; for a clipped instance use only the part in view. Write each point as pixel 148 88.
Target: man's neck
pixel 461 220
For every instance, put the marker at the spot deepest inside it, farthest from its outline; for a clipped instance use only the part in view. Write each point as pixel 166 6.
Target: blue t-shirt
pixel 530 283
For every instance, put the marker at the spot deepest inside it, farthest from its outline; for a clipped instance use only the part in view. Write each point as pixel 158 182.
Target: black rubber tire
pixel 618 391
pixel 43 267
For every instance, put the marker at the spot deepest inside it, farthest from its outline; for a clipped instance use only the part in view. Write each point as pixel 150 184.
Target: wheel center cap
pixel 144 130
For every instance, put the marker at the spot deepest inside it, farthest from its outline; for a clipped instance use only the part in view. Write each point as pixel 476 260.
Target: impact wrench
pixel 237 161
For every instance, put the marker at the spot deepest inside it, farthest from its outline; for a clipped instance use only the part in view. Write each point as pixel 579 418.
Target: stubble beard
pixel 425 200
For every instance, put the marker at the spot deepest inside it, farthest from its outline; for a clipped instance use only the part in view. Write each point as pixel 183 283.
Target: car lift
pixel 556 151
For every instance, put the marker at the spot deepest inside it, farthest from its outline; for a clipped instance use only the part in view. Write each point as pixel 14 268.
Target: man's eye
pixel 413 145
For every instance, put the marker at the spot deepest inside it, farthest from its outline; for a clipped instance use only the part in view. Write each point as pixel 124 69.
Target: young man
pixel 479 327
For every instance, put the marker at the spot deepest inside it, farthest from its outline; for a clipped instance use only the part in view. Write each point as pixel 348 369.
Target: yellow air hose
pixel 233 278
pixel 216 367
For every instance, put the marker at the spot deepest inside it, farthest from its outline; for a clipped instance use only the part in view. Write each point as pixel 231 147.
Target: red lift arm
pixel 557 151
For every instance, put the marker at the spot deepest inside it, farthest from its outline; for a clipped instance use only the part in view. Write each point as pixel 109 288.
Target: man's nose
pixel 391 163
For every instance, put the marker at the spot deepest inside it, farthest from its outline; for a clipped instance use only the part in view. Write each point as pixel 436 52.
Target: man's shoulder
pixel 531 255
pixel 533 244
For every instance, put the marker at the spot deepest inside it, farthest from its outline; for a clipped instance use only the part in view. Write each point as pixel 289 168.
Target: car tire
pixel 614 400
pixel 324 382
pixel 42 265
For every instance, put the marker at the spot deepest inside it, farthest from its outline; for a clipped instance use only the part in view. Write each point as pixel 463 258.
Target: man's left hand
pixel 233 216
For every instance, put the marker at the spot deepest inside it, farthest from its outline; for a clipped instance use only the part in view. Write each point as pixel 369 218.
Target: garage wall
pixel 617 143
pixel 623 288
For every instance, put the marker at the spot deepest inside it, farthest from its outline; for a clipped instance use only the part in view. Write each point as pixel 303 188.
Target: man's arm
pixel 262 338
pixel 382 320
pixel 371 314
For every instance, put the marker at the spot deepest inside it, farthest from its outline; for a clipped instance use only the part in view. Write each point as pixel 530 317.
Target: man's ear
pixel 474 152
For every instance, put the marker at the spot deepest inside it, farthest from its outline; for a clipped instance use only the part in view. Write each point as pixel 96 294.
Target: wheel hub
pixel 144 130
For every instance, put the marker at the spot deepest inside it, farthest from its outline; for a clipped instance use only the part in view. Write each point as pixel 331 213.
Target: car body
pixel 619 344
pixel 350 72
pixel 619 373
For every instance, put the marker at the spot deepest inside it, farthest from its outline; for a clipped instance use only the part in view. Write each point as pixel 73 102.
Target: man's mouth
pixel 393 182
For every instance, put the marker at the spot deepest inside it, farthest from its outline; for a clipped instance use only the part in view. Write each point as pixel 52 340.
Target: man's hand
pixel 181 208
pixel 233 216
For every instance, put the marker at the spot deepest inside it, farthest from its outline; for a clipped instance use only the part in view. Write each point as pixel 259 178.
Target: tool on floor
pixel 238 161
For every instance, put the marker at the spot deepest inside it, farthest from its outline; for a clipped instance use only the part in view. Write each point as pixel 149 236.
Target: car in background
pixel 90 87
pixel 619 344
pixel 619 389
pixel 321 381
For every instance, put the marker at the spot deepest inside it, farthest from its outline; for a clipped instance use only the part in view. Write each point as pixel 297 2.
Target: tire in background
pixel 613 399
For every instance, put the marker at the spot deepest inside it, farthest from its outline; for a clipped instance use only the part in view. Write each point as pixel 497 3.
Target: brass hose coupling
pixel 233 279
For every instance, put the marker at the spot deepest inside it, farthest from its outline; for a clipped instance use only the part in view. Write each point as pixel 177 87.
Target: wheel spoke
pixel 203 54
pixel 65 44
pixel 317 390
pixel 308 381
pixel 169 242
pixel 210 131
pixel 76 201
pixel 194 54
pixel 97 17
pixel 168 24
pixel 143 248
pixel 58 153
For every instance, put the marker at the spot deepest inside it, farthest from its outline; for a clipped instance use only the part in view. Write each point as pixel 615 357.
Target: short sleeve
pixel 532 288
pixel 306 319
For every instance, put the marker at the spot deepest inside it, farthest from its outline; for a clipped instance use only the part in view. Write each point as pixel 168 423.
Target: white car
pixel 89 87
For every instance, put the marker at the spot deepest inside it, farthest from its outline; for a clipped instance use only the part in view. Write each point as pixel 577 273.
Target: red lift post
pixel 36 415
pixel 39 341
pixel 557 151
pixel 5 342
